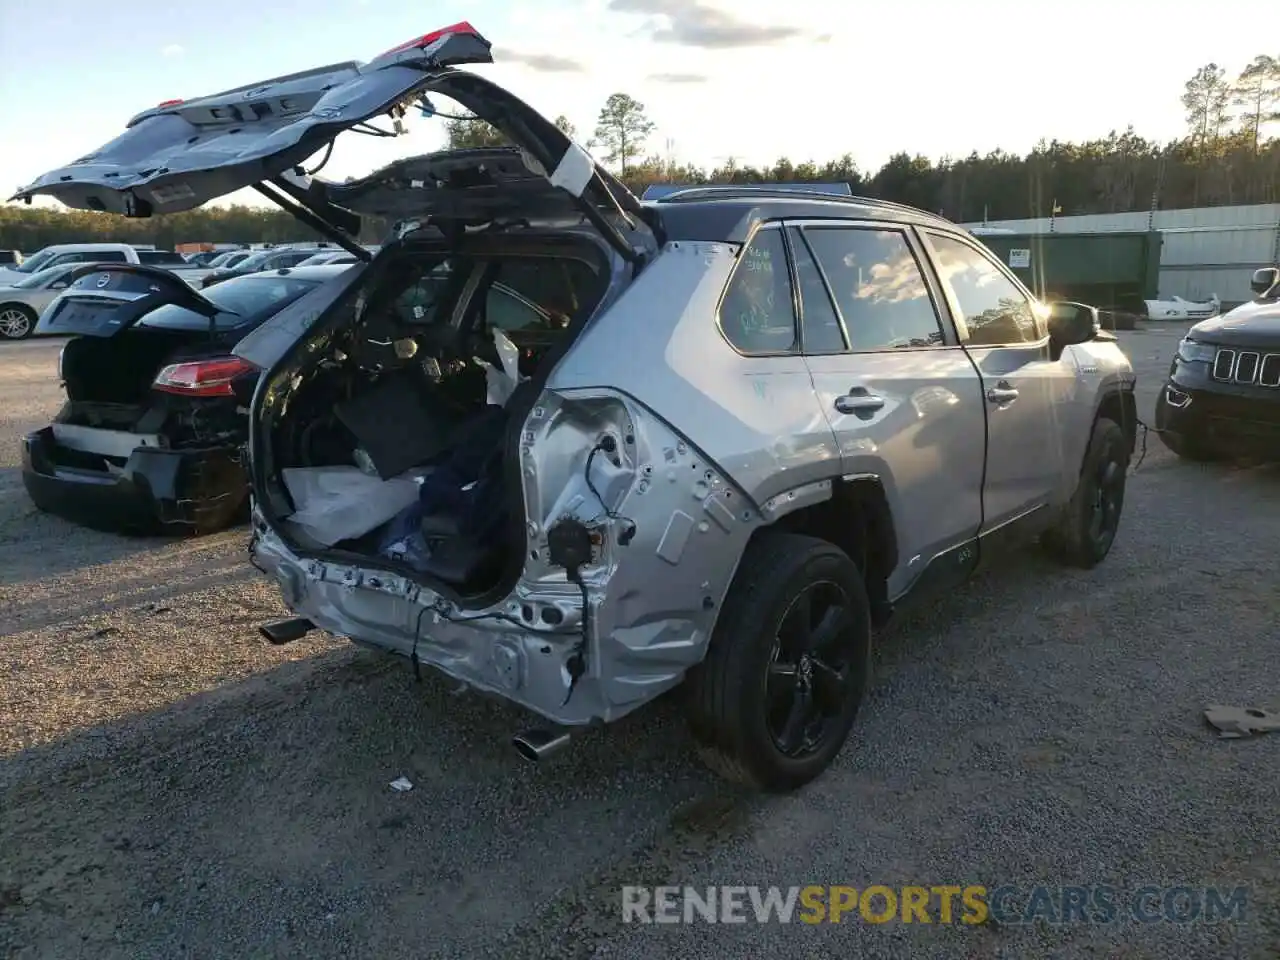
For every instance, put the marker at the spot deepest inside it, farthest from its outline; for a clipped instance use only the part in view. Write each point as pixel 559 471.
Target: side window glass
pixel 106 256
pixel 757 313
pixel 878 287
pixel 818 318
pixel 507 312
pixel 995 311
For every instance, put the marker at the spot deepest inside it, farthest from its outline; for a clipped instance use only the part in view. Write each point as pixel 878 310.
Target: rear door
pixel 1023 386
pixel 904 400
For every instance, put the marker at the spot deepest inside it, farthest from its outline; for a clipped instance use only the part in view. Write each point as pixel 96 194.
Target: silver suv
pixel 577 450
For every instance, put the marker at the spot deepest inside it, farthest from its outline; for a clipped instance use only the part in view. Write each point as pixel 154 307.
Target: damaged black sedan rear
pixel 151 435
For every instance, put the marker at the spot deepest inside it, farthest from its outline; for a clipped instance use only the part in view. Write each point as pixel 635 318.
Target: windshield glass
pixel 228 260
pixel 246 299
pixel 41 277
pixel 36 261
pixel 160 257
pixel 255 260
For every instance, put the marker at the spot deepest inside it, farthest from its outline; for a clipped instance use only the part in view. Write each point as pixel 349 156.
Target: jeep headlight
pixel 1190 351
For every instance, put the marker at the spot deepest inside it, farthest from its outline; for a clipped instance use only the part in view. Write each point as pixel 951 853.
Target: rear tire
pixel 17 321
pixel 772 703
pixel 1084 535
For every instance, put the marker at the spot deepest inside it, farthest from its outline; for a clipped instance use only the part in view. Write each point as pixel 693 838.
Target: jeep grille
pixel 1249 367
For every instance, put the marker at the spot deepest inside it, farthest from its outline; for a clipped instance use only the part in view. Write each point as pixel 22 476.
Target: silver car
pixel 22 302
pixel 577 451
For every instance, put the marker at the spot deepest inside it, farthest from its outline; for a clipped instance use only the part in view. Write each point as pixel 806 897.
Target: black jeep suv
pixel 1222 399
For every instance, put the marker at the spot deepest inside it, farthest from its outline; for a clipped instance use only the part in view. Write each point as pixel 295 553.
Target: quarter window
pixel 994 309
pixel 757 313
pixel 878 287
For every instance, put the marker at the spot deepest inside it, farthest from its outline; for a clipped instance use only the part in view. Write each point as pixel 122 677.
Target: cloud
pixel 678 78
pixel 173 50
pixel 541 62
pixel 692 23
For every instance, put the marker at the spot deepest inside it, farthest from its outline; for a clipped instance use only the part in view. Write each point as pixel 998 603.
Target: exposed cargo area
pixel 389 440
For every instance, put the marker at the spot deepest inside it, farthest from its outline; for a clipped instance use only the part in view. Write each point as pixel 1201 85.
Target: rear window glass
pixel 160 257
pixel 246 299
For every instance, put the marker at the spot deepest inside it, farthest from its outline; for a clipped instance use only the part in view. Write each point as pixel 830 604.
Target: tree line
pixel 1228 155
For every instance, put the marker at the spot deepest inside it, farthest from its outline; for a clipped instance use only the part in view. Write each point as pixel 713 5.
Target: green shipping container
pixel 1113 271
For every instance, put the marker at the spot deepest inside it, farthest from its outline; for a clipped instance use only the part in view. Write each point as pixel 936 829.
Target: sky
pixel 752 80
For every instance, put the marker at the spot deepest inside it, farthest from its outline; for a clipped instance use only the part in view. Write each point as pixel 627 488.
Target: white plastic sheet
pixel 500 384
pixel 338 503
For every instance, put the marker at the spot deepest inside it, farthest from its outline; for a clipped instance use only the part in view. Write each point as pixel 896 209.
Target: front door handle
pixel 1002 395
pixel 859 403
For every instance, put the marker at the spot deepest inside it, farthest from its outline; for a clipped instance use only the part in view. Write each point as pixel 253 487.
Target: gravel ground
pixel 171 787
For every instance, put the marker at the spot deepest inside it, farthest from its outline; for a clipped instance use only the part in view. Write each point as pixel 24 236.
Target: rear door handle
pixel 1002 395
pixel 859 403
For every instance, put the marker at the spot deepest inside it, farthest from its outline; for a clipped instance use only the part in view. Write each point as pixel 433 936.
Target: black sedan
pixel 150 436
pixel 1222 399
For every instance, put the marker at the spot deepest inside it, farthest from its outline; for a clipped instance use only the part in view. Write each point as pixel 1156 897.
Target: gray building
pixel 1204 250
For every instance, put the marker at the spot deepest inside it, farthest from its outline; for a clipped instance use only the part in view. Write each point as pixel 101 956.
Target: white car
pixel 22 302
pixel 81 253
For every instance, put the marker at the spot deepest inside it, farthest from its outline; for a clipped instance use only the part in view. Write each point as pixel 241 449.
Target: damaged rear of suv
pixel 577 451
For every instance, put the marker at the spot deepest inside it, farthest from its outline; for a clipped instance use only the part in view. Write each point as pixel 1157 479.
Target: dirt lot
pixel 172 787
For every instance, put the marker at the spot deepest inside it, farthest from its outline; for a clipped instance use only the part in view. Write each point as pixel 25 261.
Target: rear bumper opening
pixel 115 486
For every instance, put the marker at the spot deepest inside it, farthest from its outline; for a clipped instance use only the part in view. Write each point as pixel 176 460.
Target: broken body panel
pixel 182 154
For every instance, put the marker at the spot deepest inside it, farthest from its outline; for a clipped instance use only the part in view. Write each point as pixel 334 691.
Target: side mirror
pixel 1071 323
pixel 1264 280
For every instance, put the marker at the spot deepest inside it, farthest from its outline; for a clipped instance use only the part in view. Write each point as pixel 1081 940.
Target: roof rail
pixel 736 191
pixel 745 191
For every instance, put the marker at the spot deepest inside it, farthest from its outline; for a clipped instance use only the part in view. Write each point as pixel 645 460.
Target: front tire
pixel 772 703
pixel 1084 535
pixel 17 321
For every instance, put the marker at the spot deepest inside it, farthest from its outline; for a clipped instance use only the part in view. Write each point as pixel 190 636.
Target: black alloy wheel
pixel 807 682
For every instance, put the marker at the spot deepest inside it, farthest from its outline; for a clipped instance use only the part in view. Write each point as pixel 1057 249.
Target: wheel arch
pixel 1119 404
pixel 855 516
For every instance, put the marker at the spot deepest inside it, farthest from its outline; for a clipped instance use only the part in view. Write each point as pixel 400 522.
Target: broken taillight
pixel 203 378
pixel 429 38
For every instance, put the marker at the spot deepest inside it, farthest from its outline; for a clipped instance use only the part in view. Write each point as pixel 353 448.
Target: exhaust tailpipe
pixel 537 745
pixel 280 632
